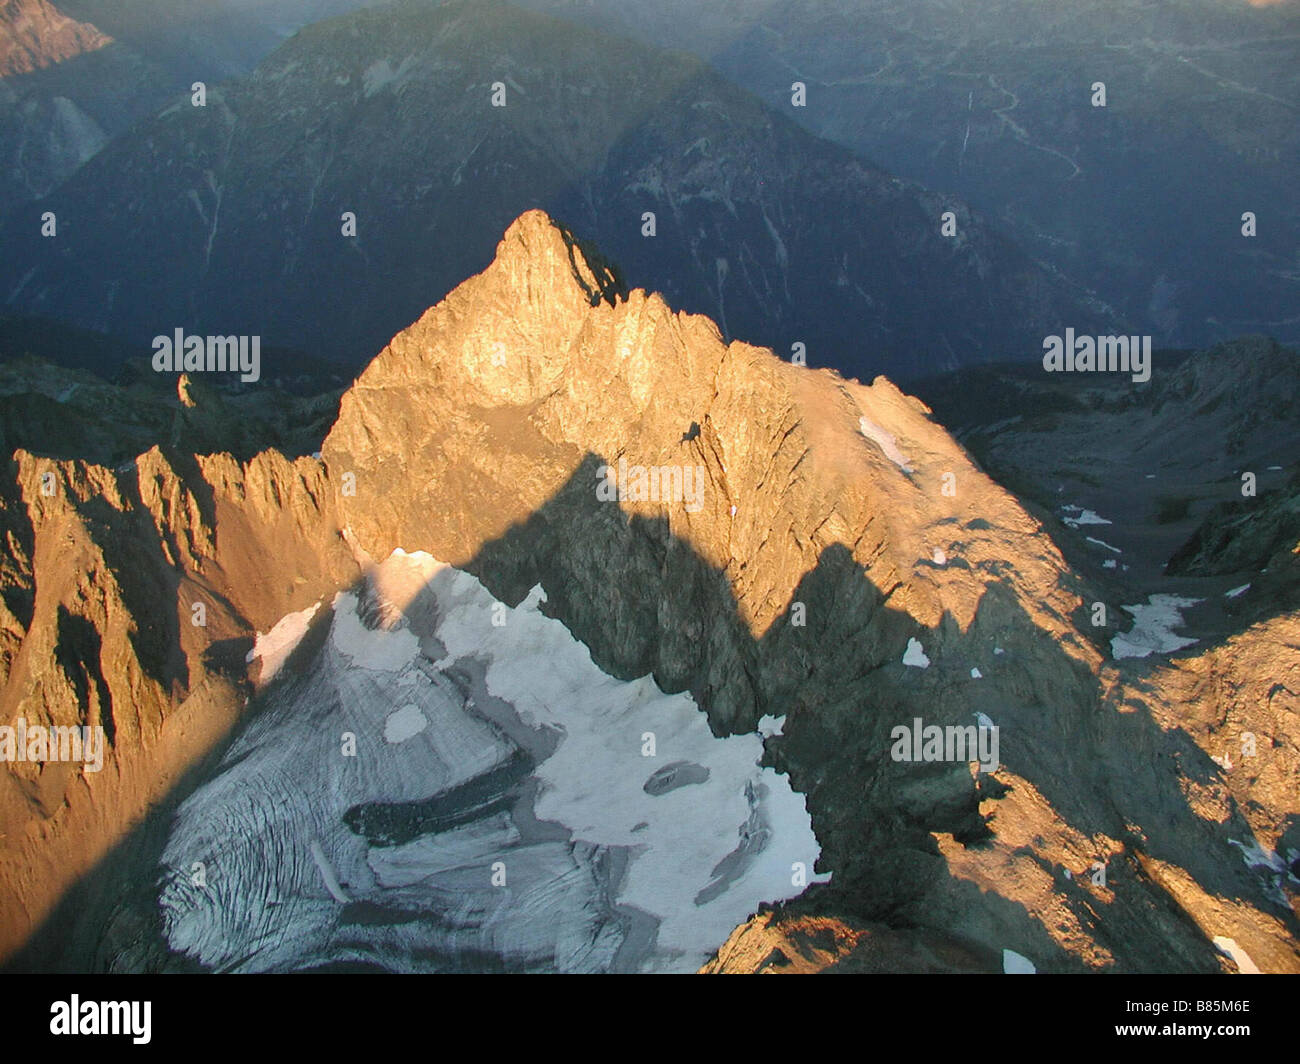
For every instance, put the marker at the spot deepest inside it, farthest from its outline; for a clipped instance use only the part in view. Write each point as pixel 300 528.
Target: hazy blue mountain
pixel 75 73
pixel 228 218
pixel 1141 199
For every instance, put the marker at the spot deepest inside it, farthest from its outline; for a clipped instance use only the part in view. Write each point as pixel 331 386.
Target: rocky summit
pixel 33 34
pixel 590 641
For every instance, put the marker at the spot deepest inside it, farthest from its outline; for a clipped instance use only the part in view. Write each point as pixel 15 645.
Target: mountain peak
pixel 545 250
pixel 35 34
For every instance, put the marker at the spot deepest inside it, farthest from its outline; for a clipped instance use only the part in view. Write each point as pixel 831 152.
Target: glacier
pixel 434 781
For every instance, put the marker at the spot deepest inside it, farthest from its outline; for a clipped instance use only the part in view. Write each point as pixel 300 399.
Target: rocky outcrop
pixel 67 413
pixel 1242 535
pixel 774 943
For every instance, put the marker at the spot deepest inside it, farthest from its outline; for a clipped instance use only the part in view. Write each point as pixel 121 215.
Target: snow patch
pixel 328 874
pixel 1275 868
pixel 1085 517
pixel 1153 628
pixel 74 135
pixel 404 723
pixel 381 75
pixel 1014 963
pixel 885 442
pixel 1236 591
pixel 276 645
pixel 375 649
pixel 1228 946
pixel 550 679
pixel 914 655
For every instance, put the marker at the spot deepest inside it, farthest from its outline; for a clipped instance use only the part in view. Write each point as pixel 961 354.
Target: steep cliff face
pixel 813 561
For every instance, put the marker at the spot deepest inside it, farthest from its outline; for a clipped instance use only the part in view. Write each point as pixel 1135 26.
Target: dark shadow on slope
pixel 78 653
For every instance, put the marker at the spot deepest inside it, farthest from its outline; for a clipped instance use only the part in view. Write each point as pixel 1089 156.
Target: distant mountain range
pixel 75 73
pixel 1141 199
pixel 229 218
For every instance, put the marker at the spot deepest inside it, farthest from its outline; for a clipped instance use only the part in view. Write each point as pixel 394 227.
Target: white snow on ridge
pixel 770 725
pixel 1014 963
pixel 1228 946
pixel 1237 591
pixel 1103 543
pixel 276 645
pixel 1153 628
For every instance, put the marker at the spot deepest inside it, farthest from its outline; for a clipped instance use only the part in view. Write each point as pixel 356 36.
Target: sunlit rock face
pixel 35 34
pixel 422 789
